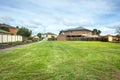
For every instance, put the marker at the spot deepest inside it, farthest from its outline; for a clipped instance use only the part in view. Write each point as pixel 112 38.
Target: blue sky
pixel 56 15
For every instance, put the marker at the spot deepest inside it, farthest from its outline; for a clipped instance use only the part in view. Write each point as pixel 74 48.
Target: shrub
pixel 35 40
pixel 19 42
pixel 52 39
pixel 27 41
pixel 84 39
pixel 104 39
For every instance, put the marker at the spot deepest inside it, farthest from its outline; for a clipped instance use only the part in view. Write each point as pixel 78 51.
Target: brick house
pixel 11 29
pixel 75 34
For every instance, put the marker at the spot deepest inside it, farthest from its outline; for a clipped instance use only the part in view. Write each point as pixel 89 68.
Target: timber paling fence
pixel 9 38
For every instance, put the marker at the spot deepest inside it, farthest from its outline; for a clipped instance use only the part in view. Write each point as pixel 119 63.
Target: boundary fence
pixel 4 38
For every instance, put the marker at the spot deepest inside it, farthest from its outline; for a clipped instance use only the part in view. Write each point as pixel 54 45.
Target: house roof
pixel 6 25
pixel 49 33
pixel 109 35
pixel 2 31
pixel 76 29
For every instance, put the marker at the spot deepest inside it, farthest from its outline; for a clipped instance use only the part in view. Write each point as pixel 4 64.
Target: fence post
pixel 2 38
pixel 11 38
pixel 7 37
pixel 17 37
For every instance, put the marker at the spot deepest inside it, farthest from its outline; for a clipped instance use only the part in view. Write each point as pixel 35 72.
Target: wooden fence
pixel 10 38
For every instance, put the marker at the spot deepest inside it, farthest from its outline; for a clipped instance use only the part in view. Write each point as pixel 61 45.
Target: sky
pixel 55 15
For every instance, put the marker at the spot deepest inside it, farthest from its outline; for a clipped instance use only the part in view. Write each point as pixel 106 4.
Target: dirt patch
pixel 117 75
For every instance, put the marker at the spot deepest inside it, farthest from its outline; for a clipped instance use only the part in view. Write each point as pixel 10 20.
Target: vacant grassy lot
pixel 62 61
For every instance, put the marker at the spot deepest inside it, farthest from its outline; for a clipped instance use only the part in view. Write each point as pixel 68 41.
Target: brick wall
pixel 87 33
pixel 62 38
pixel 13 30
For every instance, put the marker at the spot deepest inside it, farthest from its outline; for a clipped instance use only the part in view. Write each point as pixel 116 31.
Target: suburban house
pixel 112 38
pixel 49 35
pixel 75 34
pixel 11 29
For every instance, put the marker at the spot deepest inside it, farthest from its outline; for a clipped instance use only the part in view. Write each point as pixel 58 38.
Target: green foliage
pixel 60 32
pixel 17 27
pixel 19 42
pixel 39 35
pixel 84 39
pixel 52 38
pixel 96 32
pixel 104 39
pixel 27 41
pixel 4 28
pixel 35 40
pixel 24 32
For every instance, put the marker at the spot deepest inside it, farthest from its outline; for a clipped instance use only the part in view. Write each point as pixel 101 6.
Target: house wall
pixel 13 30
pixel 50 36
pixel 76 35
pixel 110 38
pixel 62 38
pixel 85 33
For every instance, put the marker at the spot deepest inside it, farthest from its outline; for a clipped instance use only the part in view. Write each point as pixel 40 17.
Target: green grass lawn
pixel 62 61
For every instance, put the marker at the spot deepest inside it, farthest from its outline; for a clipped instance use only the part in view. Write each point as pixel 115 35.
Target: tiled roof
pixel 6 25
pixel 76 29
pixel 50 33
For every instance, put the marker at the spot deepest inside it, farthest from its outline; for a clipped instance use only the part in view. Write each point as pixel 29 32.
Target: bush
pixel 104 39
pixel 19 42
pixel 52 39
pixel 83 38
pixel 11 44
pixel 35 40
pixel 24 41
pixel 27 41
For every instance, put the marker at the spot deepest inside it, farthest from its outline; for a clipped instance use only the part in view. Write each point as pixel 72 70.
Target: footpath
pixel 18 46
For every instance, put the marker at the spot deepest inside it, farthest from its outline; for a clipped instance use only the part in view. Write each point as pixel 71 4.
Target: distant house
pixel 112 38
pixel 49 35
pixel 75 33
pixel 11 29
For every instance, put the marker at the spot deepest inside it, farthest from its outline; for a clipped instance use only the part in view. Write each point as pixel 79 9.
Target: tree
pixel 118 33
pixel 61 32
pixel 4 28
pixel 17 27
pixel 96 32
pixel 39 35
pixel 118 30
pixel 24 32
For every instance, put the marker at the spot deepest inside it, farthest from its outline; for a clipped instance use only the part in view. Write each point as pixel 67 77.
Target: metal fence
pixel 10 38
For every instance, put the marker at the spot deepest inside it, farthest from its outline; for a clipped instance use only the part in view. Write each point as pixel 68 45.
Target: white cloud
pixel 114 25
pixel 56 15
pixel 106 30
